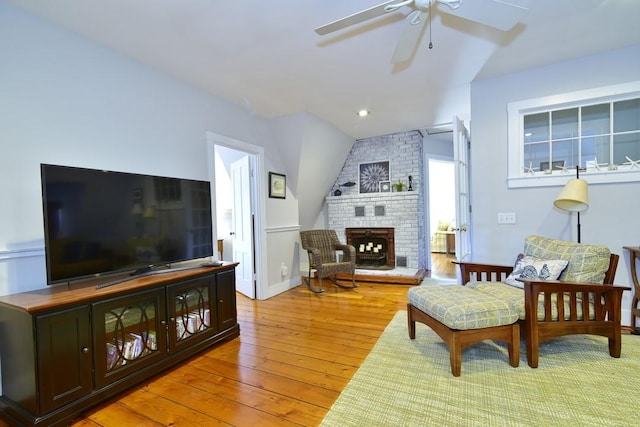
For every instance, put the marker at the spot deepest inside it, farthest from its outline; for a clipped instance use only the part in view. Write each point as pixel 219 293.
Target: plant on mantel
pixel 398 186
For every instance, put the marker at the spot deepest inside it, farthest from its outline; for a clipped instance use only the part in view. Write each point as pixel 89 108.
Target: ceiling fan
pixel 500 14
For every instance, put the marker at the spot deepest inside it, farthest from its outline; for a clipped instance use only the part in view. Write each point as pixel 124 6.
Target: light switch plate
pixel 506 218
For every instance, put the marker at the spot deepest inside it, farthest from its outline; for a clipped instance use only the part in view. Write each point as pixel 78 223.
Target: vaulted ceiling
pixel 265 56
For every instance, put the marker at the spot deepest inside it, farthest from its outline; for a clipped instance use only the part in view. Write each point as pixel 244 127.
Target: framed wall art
pixel 371 174
pixel 277 185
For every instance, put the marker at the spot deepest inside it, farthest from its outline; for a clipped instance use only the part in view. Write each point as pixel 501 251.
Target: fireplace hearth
pixel 375 248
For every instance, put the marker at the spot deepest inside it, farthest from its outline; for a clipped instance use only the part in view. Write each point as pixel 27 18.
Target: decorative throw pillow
pixel 529 267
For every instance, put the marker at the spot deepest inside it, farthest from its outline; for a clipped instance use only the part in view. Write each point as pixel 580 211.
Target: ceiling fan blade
pixel 410 36
pixel 356 18
pixel 500 14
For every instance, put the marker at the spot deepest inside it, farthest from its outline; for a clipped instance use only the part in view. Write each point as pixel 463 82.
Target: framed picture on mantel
pixel 371 174
pixel 277 185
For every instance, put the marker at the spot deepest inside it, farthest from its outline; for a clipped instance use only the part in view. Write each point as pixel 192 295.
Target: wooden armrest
pixel 470 271
pixel 605 299
pixel 559 285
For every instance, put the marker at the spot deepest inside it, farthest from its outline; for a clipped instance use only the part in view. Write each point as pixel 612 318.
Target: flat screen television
pixel 99 222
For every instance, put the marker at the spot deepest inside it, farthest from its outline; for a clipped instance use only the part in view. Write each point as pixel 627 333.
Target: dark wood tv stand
pixel 66 348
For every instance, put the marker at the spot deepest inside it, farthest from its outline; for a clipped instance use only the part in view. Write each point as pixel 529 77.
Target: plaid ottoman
pixel 462 316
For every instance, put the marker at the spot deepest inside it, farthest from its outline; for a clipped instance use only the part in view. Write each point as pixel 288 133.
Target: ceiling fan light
pixel 453 4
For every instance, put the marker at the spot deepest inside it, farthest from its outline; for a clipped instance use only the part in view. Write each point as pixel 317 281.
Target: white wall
pixel 310 152
pixel 66 100
pixel 313 153
pixel 612 218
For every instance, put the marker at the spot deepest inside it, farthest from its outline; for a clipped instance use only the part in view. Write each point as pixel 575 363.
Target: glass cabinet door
pixel 192 310
pixel 130 331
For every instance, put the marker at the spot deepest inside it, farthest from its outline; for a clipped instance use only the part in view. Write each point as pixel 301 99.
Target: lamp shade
pixel 574 197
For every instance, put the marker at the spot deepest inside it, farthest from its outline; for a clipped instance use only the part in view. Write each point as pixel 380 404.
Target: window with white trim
pixel 597 131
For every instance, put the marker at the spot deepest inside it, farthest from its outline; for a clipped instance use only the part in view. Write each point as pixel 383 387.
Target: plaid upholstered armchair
pixel 586 273
pixel 321 246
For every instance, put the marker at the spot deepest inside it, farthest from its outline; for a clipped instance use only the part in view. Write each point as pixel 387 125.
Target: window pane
pixel 595 148
pixel 627 145
pixel 564 123
pixel 626 115
pixel 588 151
pixel 601 147
pixel 536 127
pixel 595 120
pixel 565 151
pixel 534 154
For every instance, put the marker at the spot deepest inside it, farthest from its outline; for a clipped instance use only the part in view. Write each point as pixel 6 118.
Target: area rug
pixel 407 382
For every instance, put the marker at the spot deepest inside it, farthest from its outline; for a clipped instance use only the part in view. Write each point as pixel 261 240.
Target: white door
pixel 242 226
pixel 461 146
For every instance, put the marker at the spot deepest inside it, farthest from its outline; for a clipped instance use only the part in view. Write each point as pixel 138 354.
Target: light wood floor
pixel 295 354
pixel 441 265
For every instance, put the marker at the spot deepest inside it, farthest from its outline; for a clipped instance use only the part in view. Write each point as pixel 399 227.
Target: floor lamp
pixel 574 197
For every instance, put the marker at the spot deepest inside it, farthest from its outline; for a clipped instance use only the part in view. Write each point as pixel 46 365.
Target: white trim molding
pixel 22 253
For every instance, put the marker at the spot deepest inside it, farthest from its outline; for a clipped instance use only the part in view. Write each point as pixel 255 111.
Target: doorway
pixel 448 143
pixel 442 214
pixel 239 209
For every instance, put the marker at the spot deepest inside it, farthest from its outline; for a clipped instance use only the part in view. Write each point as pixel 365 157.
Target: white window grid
pixel 599 166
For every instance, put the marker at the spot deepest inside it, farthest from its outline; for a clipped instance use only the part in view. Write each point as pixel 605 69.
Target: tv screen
pixel 99 222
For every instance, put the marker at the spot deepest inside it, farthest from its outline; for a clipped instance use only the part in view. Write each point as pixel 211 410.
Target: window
pixel 596 130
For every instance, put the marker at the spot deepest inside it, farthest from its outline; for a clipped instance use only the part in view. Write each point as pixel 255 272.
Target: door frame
pixel 258 206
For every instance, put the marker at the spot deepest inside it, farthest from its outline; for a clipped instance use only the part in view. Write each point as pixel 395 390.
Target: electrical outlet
pixel 506 218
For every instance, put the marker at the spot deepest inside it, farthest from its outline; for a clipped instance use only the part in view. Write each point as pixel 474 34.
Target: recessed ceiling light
pixel 363 113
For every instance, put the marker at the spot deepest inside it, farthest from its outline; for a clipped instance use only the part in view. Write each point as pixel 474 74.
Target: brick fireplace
pixel 375 247
pixel 403 212
pixel 396 211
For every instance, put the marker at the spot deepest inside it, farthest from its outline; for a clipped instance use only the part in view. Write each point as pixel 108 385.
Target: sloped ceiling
pixel 265 56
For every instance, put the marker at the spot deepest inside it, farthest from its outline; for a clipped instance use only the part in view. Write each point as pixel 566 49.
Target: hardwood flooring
pixel 441 265
pixel 295 354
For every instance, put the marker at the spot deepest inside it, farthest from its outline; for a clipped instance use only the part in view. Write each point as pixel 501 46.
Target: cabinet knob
pixel 85 349
pixel 221 301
